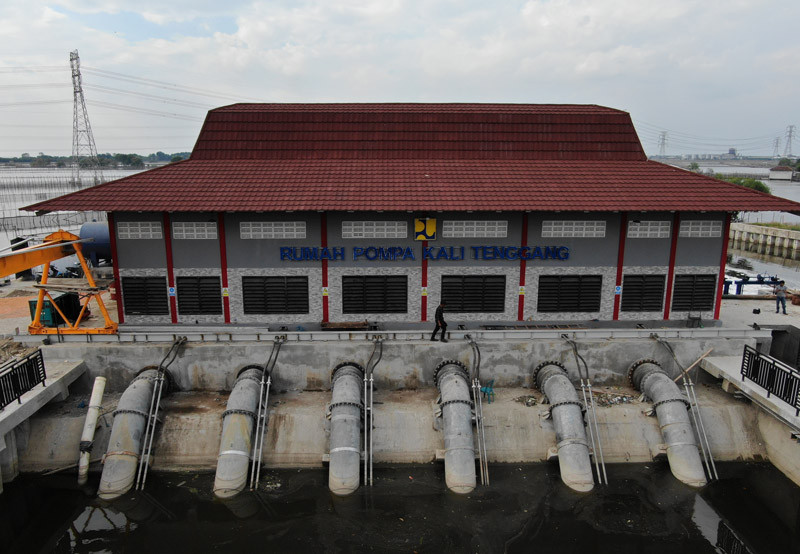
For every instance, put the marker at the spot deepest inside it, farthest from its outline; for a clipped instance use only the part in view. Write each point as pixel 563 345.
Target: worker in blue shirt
pixel 780 297
pixel 440 322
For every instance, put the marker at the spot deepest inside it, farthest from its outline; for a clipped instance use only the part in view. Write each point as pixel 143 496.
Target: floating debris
pixel 606 399
pixel 527 400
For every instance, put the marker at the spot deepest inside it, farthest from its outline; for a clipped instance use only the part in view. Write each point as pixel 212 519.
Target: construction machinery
pixel 55 246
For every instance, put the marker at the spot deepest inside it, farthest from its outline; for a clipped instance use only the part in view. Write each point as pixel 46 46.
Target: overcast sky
pixel 714 74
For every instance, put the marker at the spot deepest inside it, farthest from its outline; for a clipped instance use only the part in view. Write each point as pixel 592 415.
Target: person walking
pixel 440 322
pixel 780 296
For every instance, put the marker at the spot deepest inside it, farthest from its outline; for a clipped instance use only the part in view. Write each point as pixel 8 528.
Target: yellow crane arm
pixel 33 256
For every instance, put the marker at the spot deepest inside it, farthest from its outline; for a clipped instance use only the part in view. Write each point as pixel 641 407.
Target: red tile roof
pixel 279 185
pixel 417 131
pixel 364 157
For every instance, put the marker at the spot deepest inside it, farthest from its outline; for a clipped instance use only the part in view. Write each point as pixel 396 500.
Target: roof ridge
pixel 489 106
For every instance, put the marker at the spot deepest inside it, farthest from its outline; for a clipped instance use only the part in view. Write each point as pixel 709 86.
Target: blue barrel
pixel 100 247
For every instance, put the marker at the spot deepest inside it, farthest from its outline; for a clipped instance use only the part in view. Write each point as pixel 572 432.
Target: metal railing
pixel 262 414
pixel 19 376
pixel 776 377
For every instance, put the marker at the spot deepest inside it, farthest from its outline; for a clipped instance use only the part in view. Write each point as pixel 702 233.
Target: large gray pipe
pixel 345 409
pixel 125 444
pixel 566 411
pixel 452 378
pixel 236 443
pixel 673 418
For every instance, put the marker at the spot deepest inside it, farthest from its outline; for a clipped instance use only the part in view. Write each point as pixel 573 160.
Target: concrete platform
pixel 60 375
pixel 14 419
pixel 728 368
pixel 776 422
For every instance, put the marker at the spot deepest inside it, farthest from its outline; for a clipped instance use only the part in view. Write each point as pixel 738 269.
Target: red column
pixel 623 233
pixel 722 261
pixel 173 304
pixel 112 235
pixel 676 227
pixel 223 266
pixel 522 265
pixel 424 298
pixel 323 239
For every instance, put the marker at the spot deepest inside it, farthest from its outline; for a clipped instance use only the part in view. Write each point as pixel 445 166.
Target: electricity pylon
pixel 787 151
pixel 84 150
pixel 662 143
pixel 776 148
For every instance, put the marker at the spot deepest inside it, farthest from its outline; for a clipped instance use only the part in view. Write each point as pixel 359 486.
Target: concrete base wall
pixel 405 430
pixel 406 365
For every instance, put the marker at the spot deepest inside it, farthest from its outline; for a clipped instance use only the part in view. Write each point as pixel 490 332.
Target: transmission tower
pixel 776 147
pixel 83 147
pixel 787 151
pixel 662 143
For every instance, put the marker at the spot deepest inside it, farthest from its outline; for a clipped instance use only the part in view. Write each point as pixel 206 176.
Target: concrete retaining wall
pixel 306 365
pixel 188 439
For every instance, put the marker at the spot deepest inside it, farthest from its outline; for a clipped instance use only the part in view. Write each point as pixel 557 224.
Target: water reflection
pixel 527 508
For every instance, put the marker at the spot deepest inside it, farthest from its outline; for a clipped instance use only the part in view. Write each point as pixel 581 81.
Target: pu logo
pixel 425 229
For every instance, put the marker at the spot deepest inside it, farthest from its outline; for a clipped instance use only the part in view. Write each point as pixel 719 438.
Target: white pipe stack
pixel 673 418
pixel 345 409
pixel 452 379
pixel 125 444
pixel 89 427
pixel 236 442
pixel 574 463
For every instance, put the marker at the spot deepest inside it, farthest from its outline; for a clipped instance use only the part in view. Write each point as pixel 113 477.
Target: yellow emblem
pixel 425 229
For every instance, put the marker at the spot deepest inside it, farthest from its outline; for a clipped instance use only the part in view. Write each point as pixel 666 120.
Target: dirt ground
pixel 15 315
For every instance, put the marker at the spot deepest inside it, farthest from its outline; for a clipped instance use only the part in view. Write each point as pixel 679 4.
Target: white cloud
pixel 700 66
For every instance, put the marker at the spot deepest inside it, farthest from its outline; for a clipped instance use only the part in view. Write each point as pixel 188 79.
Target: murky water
pixel 526 509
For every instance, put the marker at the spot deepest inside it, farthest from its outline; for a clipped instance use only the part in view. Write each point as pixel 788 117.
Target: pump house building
pixel 290 213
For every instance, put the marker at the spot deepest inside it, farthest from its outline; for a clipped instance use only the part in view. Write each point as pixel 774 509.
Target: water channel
pixel 752 508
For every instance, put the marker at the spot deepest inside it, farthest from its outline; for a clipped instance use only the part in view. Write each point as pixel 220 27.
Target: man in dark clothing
pixel 440 323
pixel 780 297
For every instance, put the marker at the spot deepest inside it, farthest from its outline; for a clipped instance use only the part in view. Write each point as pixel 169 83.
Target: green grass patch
pixel 788 226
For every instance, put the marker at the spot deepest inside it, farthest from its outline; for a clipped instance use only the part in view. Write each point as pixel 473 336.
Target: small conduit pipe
pixel 125 444
pixel 648 377
pixel 345 415
pixel 236 441
pixel 452 379
pixel 567 414
pixel 89 427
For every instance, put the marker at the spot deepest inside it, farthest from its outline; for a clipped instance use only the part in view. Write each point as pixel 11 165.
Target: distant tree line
pixel 790 163
pixel 106 160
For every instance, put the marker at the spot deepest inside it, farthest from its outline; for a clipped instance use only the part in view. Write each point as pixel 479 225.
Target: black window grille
pixel 694 293
pixel 474 293
pixel 275 295
pixel 199 295
pixel 145 295
pixel 643 293
pixel 375 294
pixel 569 293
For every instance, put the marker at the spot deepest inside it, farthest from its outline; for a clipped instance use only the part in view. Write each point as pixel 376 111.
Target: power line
pixel 35 102
pixel 145 111
pixel 36 85
pixel 151 97
pixel 166 85
pixel 687 135
pixel 34 69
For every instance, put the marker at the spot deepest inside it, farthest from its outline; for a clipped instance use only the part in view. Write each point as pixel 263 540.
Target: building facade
pixel 333 213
